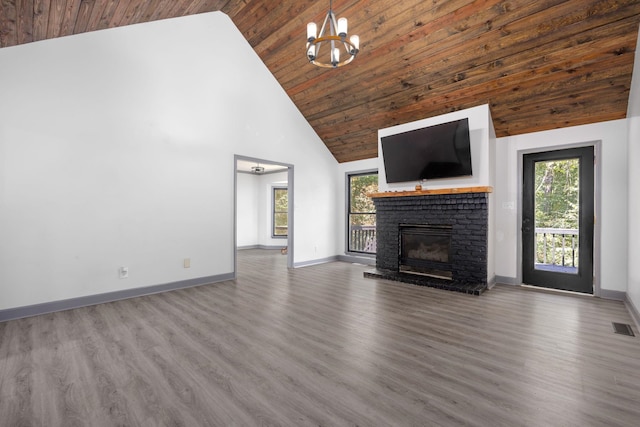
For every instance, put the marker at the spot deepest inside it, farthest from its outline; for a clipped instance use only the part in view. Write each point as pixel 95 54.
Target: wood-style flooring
pixel 322 345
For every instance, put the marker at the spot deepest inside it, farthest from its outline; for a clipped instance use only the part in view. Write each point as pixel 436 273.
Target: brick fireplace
pixel 436 238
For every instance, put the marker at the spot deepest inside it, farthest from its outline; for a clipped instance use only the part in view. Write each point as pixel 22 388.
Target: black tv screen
pixel 440 151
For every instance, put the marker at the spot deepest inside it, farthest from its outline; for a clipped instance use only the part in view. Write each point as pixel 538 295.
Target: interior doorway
pixel 263 207
pixel 558 219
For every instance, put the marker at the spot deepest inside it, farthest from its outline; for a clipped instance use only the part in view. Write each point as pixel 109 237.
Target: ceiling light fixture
pixel 257 169
pixel 337 36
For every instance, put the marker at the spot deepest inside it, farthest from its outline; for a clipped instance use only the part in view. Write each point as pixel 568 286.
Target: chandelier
pixel 335 39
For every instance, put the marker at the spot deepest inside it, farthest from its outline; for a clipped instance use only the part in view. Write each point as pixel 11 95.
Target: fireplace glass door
pixel 426 250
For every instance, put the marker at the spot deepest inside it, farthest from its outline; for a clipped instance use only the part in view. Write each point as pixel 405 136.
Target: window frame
pixel 274 212
pixel 348 211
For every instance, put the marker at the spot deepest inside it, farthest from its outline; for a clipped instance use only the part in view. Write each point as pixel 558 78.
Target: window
pixel 280 212
pixel 361 212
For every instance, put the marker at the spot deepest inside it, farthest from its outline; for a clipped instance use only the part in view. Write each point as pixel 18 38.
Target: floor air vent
pixel 623 329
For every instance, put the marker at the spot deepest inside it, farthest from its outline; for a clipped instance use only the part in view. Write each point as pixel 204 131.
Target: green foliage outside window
pixel 557 194
pixel 359 202
pixel 557 206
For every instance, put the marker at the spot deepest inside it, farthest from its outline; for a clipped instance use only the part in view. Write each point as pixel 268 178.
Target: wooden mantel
pixel 423 192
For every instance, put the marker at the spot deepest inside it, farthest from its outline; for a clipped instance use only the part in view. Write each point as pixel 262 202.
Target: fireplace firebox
pixel 425 250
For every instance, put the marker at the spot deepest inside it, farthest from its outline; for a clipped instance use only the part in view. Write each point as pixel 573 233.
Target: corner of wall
pixel 633 195
pixel 491 238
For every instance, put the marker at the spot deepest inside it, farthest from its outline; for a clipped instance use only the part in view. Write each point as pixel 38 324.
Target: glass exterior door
pixel 557 219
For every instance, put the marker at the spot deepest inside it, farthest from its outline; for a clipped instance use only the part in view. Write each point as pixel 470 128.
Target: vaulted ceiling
pixel 540 65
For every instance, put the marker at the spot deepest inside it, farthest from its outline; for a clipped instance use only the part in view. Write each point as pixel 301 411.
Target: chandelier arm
pixel 334 31
pixel 334 23
pixel 322 29
pixel 324 24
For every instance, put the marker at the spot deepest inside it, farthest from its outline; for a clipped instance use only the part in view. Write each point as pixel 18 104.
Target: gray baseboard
pixel 491 282
pixel 316 261
pixel 270 247
pixel 357 259
pixel 614 295
pixel 633 310
pixel 506 280
pixel 50 307
pixel 604 293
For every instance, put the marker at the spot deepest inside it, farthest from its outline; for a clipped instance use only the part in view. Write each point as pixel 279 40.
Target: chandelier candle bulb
pixel 335 56
pixel 342 27
pixel 311 53
pixel 355 41
pixel 312 30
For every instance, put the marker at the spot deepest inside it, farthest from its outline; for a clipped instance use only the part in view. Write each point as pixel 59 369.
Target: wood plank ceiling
pixel 541 64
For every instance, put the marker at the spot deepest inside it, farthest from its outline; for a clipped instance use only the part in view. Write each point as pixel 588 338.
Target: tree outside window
pixel 362 212
pixel 557 207
pixel 280 212
pixel 557 192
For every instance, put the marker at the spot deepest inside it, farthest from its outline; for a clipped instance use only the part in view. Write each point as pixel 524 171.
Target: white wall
pixel 612 220
pixel 634 208
pixel 633 114
pixel 254 217
pixel 117 149
pixel 247 210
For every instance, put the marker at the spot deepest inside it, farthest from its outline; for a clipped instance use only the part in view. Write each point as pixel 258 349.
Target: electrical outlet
pixel 123 272
pixel 186 263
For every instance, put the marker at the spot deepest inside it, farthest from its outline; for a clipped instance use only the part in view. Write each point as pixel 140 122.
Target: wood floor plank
pixel 322 345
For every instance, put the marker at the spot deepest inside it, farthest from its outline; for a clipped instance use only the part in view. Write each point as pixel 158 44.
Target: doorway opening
pixel 558 219
pixel 263 210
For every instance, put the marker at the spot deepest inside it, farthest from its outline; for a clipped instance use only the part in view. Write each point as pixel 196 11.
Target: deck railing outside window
pixel 557 246
pixel 363 238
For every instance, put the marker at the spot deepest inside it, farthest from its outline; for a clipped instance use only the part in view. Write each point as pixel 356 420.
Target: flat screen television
pixel 440 151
